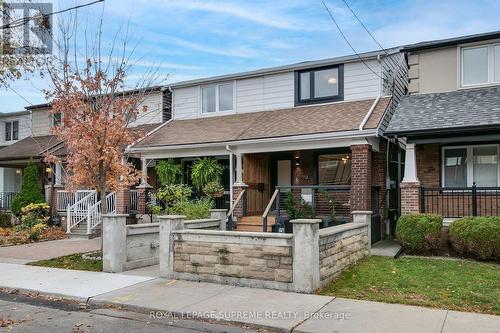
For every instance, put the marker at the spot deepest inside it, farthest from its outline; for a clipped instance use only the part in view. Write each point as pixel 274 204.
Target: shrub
pixel 34 214
pixel 31 190
pixel 5 220
pixel 477 237
pixel 193 209
pixel 419 233
pixel 171 194
pixel 297 210
pixel 168 171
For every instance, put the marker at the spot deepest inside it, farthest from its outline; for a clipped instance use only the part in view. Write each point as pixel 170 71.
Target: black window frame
pixel 8 131
pixel 15 130
pixel 317 100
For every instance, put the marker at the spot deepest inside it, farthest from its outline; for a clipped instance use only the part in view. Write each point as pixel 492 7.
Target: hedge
pixel 476 237
pixel 419 233
pixel 31 190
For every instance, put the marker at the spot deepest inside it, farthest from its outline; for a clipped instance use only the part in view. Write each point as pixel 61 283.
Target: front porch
pixel 452 177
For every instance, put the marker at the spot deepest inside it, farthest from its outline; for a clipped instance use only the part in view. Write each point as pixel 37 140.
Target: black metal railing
pixel 460 201
pixel 6 200
pixel 325 201
pixel 223 202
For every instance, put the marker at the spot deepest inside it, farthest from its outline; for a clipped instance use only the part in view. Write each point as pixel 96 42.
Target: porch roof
pixel 449 112
pixel 316 119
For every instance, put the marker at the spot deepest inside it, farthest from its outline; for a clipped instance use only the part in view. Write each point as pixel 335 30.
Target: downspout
pixel 374 105
pixel 231 175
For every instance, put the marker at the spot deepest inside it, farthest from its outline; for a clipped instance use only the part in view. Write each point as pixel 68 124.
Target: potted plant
pixel 204 171
pixel 168 172
pixel 213 189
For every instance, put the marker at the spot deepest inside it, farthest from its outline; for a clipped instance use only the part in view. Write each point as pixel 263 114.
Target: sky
pixel 184 39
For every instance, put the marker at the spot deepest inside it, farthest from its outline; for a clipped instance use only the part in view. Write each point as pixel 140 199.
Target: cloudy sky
pixel 190 39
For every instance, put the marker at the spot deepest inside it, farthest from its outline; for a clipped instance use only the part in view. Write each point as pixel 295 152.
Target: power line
pixel 347 40
pixel 372 36
pixel 24 20
pixel 18 94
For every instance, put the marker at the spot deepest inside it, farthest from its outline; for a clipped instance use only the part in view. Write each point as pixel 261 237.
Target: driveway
pixel 22 254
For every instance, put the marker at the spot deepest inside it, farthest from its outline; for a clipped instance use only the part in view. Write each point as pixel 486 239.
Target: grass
pixel 449 284
pixel 73 261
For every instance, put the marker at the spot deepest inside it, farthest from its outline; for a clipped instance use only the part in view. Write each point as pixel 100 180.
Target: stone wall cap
pixel 240 185
pixel 114 215
pixel 361 212
pixel 171 217
pixel 218 210
pixel 306 221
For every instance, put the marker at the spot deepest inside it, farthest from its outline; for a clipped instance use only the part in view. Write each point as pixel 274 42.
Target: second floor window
pixel 480 65
pixel 56 119
pixel 217 98
pixel 11 130
pixel 319 85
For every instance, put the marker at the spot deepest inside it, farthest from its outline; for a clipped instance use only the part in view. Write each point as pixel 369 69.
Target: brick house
pixel 450 121
pixel 304 128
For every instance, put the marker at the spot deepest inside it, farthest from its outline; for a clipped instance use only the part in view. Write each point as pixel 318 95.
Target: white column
pixel 231 178
pixel 410 164
pixel 306 265
pixel 114 243
pixel 58 174
pixel 239 168
pixel 144 166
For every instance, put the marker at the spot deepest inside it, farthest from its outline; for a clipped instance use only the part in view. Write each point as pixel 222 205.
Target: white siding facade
pixel 41 122
pixel 24 127
pixel 276 91
pixel 153 114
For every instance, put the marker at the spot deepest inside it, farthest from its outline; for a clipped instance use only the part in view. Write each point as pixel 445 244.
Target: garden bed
pixel 11 236
pixel 89 261
pixel 460 285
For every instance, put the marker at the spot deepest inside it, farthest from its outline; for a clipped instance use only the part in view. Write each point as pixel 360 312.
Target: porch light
pixel 297 160
pixel 18 171
pixel 48 170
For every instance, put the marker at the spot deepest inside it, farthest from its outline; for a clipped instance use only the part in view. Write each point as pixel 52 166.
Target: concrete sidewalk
pixel 274 310
pixel 22 254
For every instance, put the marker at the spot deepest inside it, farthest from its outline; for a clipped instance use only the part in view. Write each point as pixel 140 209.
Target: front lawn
pixel 449 284
pixel 89 261
pixel 14 236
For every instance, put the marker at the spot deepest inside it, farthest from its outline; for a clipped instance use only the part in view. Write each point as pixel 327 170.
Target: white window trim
pixel 491 66
pixel 470 162
pixel 10 123
pixel 52 119
pixel 217 111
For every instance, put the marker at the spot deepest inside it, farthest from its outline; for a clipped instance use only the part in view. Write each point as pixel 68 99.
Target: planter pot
pixel 217 194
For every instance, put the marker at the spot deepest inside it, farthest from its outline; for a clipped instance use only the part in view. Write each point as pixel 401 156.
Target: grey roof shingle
pixel 445 111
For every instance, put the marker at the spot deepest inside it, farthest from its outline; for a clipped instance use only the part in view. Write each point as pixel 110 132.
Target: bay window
pixel 465 165
pixel 480 65
pixel 217 98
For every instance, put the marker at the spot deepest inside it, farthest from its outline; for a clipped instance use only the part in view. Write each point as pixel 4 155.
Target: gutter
pixel 374 105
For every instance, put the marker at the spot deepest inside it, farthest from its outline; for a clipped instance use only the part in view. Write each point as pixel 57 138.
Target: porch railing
pixel 134 196
pixel 6 200
pixel 67 198
pixel 325 201
pixel 454 202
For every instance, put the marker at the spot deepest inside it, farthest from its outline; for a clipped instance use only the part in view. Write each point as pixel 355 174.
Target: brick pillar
pixel 361 177
pixel 239 208
pixel 123 201
pixel 142 198
pixel 410 197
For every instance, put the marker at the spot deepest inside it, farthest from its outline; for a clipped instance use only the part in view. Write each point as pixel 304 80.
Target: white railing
pixel 77 212
pixel 94 212
pixel 67 198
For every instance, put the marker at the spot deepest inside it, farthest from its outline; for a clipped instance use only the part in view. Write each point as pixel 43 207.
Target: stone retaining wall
pixel 250 259
pixel 142 245
pixel 340 247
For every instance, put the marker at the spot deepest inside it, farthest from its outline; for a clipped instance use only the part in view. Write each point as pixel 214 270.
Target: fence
pixel 6 200
pixel 456 202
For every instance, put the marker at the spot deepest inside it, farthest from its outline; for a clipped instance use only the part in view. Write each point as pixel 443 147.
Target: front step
pixel 254 223
pixel 80 231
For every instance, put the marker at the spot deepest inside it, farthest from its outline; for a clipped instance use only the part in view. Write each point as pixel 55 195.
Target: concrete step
pixel 252 228
pixel 82 235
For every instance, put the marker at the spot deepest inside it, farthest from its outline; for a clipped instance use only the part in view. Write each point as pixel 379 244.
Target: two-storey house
pixel 37 140
pixel 305 128
pixel 451 121
pixel 15 126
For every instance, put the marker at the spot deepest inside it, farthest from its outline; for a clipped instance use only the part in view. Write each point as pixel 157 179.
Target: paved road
pixel 31 315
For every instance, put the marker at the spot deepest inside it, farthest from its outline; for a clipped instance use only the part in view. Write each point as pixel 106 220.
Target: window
pixel 464 166
pixel 56 119
pixel 217 98
pixel 11 130
pixel 334 169
pixel 319 85
pixel 480 65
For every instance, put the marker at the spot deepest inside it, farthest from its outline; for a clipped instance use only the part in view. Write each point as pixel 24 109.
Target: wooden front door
pixel 256 175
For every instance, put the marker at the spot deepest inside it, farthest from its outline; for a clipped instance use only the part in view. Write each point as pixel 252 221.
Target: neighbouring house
pixel 315 129
pixel 37 140
pixel 15 126
pixel 451 124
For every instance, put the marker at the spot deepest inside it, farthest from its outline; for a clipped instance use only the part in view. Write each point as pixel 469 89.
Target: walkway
pixel 261 308
pixel 22 254
pixel 385 248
